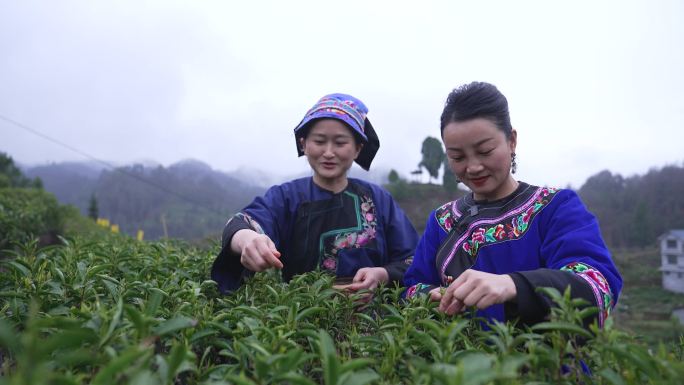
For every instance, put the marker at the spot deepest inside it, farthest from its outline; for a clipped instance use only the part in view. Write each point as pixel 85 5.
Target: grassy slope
pixel 645 308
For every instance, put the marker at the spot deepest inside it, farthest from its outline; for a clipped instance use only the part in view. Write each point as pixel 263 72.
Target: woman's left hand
pixel 477 288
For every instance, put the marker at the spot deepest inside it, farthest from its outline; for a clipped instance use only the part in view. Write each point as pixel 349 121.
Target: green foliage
pixel 449 180
pixel 93 211
pixel 193 205
pixel 393 176
pixel 634 211
pixel 11 176
pixel 28 213
pixel 433 156
pixel 118 311
pixel 4 181
pixel 418 199
pixel 644 307
pixel 399 189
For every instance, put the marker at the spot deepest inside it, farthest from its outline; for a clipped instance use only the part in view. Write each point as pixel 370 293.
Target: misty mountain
pixel 189 198
pixel 71 182
pixel 266 179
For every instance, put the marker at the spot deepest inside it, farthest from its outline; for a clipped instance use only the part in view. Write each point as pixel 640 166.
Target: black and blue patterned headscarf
pixel 350 111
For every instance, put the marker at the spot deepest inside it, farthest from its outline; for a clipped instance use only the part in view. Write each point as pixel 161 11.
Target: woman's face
pixel 480 156
pixel 330 148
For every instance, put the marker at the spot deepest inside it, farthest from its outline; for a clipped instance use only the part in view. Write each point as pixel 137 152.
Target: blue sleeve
pixel 400 235
pixel 422 274
pixel 572 242
pixel 272 212
pixel 267 215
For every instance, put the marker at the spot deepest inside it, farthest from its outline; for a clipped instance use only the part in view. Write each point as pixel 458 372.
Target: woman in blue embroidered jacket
pixel 348 227
pixel 493 247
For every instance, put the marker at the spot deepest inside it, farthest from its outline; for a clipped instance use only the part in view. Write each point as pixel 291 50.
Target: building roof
pixel 673 233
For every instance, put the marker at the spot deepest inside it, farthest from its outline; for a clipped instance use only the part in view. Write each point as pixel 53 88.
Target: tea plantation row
pixel 119 311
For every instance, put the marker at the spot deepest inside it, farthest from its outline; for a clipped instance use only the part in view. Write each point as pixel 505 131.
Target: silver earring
pixel 514 165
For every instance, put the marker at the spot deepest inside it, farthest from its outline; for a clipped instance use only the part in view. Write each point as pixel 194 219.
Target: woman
pixel 348 227
pixel 495 246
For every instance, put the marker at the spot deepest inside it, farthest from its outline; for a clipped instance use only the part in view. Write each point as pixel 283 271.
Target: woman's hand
pixel 475 288
pixel 368 278
pixel 436 294
pixel 257 251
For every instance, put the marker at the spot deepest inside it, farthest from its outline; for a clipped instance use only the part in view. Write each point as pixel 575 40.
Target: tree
pixel 13 177
pixel 393 176
pixel 93 212
pixel 433 156
pixel 449 180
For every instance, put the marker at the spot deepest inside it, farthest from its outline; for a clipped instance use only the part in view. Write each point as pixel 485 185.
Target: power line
pixel 107 164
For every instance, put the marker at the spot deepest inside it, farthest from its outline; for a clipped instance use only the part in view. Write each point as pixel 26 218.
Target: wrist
pixel 240 239
pixel 384 274
pixel 511 290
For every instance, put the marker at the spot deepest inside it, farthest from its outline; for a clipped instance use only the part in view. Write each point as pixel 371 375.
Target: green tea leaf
pixel 173 325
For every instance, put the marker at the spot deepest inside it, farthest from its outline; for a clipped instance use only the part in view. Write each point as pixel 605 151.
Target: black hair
pixel 477 100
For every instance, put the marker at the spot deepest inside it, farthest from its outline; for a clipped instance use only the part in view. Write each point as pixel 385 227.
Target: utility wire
pixel 108 165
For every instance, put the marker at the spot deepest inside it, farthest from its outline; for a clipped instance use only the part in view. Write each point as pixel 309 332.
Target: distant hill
pixel 193 199
pixel 419 199
pixel 71 182
pixel 634 211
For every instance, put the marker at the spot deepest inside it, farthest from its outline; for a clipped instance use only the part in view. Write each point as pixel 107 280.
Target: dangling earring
pixel 514 165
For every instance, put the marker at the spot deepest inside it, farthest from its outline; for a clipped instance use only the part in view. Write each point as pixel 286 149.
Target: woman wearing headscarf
pixel 348 227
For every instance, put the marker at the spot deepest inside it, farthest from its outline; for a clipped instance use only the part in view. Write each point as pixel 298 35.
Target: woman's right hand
pixel 257 251
pixel 436 294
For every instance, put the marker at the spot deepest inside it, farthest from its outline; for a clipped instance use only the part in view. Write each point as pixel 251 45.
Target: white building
pixel 672 260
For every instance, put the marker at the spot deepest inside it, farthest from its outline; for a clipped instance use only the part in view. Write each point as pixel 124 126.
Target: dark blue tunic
pixel 541 237
pixel 314 228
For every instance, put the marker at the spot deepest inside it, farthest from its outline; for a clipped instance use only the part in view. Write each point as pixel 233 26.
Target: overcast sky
pixel 592 85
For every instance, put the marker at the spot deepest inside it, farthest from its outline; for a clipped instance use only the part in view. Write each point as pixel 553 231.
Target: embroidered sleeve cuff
pixel 419 288
pixel 600 289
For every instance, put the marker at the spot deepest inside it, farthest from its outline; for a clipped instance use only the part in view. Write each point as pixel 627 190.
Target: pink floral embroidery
pixel 512 230
pixel 411 291
pixel 599 284
pixel 330 264
pixel 499 232
pixel 362 239
pixel 478 235
pixel 357 238
pixel 445 217
pixel 599 279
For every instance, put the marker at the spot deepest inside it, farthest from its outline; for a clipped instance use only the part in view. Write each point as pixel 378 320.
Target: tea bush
pixel 118 311
pixel 26 213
